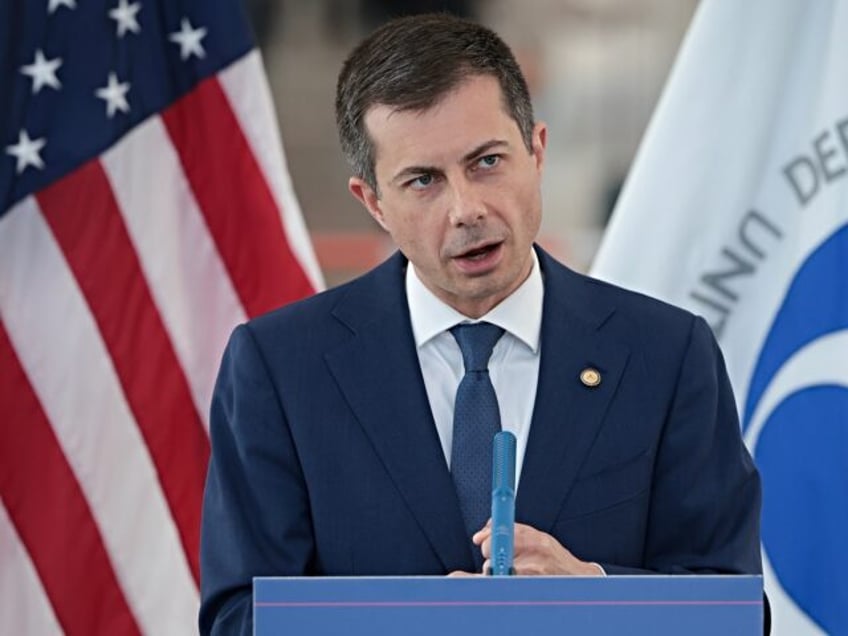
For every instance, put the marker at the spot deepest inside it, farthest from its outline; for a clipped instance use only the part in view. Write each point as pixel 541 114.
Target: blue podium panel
pixel 656 605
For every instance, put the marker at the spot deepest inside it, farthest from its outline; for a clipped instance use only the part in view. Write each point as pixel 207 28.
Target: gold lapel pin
pixel 590 377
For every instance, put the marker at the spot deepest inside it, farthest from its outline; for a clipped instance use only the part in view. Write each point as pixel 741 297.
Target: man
pixel 339 424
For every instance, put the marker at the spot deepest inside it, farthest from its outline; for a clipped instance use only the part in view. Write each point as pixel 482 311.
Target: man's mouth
pixel 479 260
pixel 479 253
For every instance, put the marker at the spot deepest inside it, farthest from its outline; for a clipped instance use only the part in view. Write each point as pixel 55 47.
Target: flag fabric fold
pixel 737 208
pixel 145 210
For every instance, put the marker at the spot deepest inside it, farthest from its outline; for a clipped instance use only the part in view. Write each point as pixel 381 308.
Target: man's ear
pixel 368 197
pixel 539 142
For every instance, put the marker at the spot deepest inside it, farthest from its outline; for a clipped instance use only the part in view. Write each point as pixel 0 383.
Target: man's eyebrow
pixel 483 148
pixel 410 171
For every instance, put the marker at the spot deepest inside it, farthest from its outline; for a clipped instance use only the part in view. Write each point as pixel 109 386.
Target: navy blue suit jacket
pixel 326 460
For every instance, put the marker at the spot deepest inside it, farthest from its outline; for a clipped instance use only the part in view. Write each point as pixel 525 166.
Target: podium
pixel 377 606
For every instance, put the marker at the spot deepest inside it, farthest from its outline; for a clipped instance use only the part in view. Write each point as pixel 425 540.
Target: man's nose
pixel 466 203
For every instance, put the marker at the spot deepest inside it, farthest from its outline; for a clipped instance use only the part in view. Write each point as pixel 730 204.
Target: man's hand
pixel 537 553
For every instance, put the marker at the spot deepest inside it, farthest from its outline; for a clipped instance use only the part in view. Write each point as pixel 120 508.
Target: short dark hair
pixel 411 63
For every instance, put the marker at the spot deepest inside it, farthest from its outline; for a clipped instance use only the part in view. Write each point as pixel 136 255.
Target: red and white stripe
pixel 33 613
pixel 119 285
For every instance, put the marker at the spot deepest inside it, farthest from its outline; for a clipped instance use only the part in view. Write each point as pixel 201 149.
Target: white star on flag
pixel 115 95
pixel 26 151
pixel 43 72
pixel 189 40
pixel 55 4
pixel 125 17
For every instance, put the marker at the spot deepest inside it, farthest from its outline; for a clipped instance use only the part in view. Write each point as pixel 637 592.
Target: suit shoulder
pixel 663 334
pixel 598 300
pixel 639 318
pixel 317 314
pixel 638 305
pixel 300 312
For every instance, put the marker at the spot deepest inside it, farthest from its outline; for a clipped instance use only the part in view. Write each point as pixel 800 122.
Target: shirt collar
pixel 520 313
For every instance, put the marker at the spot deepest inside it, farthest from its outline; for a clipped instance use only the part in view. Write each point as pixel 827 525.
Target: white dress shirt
pixel 513 367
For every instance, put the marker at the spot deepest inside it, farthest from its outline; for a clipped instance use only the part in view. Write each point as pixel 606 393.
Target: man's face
pixel 459 193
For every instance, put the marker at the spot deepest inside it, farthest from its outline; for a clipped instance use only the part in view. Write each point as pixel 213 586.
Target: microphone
pixel 503 504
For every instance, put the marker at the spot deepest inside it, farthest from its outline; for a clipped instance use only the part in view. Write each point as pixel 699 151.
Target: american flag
pixel 145 210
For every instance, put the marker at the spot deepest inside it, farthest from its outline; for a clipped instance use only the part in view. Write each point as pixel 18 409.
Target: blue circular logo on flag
pixel 797 413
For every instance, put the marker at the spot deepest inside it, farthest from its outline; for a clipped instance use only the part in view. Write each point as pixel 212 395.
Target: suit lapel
pixel 379 374
pixel 567 414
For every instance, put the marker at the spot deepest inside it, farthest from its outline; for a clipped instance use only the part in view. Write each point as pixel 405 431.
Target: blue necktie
pixel 476 419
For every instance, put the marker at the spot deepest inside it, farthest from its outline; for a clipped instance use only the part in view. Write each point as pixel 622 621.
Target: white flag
pixel 737 209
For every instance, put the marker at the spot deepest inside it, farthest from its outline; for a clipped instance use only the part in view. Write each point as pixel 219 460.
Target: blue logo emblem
pixel 796 415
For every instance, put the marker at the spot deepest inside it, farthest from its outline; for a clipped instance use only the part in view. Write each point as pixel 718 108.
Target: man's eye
pixel 421 181
pixel 489 161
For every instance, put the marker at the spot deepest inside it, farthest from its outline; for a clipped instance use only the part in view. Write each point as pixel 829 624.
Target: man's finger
pixel 478 537
pixel 486 546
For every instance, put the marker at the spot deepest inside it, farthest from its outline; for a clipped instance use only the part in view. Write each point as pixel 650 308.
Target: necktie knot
pixel 476 342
